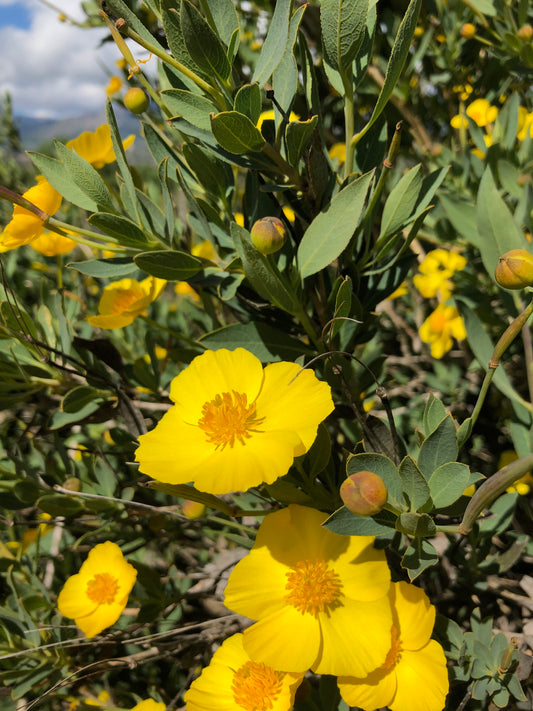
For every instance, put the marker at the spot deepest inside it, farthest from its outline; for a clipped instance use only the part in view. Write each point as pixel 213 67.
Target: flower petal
pixel 372 692
pixel 422 680
pixel 416 615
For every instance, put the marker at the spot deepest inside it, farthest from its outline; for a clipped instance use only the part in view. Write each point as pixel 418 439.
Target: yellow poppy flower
pixel 114 85
pixel 233 682
pixel 234 425
pixel 96 596
pixel 320 598
pixel 440 328
pixel 25 226
pixel 96 147
pixel 414 675
pixel 481 112
pixel 338 152
pixel 51 244
pixel 436 270
pixel 124 300
pixel 149 705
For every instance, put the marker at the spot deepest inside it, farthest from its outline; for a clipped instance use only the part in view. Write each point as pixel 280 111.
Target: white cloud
pixel 54 69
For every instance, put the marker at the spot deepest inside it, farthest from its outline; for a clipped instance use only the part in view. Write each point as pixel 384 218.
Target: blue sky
pixel 52 69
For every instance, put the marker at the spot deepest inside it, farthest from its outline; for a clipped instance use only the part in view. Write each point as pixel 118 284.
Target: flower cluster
pixel 435 280
pixel 321 602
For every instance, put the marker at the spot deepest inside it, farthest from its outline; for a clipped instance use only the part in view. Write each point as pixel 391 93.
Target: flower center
pixel 228 418
pixel 312 586
pixel 395 650
pixel 256 687
pixel 102 589
pixel 438 322
pixel 123 299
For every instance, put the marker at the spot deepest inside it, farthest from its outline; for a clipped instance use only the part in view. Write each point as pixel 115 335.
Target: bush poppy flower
pixel 435 272
pixel 149 705
pixel 320 599
pixel 414 675
pixel 233 682
pixel 96 147
pixel 234 424
pixel 51 244
pixel 25 226
pixel 96 596
pixel 440 326
pixel 124 300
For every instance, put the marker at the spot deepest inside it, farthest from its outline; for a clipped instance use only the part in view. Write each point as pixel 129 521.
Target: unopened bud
pixel 193 509
pixel 136 100
pixel 72 484
pixel 468 30
pixel 515 269
pixel 364 493
pixel 525 33
pixel 507 657
pixel 268 235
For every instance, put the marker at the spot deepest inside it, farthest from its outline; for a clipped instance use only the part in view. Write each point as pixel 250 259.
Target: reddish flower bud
pixel 136 100
pixel 525 33
pixel 268 235
pixel 364 493
pixel 515 269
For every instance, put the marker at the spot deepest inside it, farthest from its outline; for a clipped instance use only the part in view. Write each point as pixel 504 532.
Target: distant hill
pixel 35 133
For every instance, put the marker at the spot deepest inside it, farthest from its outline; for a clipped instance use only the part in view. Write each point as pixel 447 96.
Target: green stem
pixel 64 229
pixel 282 164
pixel 347 81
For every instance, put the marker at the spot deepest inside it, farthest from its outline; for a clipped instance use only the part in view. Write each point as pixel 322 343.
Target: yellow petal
pixel 372 692
pixel 422 680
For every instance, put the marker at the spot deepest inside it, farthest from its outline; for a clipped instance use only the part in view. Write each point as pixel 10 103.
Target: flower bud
pixel 268 235
pixel 136 100
pixel 515 269
pixel 525 33
pixel 364 493
pixel 468 30
pixel 193 509
pixel 72 484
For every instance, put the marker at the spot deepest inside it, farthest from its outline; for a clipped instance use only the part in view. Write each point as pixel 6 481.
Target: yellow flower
pixel 320 598
pixel 397 293
pixel 233 682
pixel 50 244
pixel 436 270
pixel 114 86
pixel 270 116
pixel 96 596
pixel 234 425
pixel 440 327
pixel 124 300
pixel 149 705
pixel 525 123
pixel 239 218
pixel 96 147
pixel 481 112
pixel 414 675
pixel 459 121
pixel 25 226
pixel 338 152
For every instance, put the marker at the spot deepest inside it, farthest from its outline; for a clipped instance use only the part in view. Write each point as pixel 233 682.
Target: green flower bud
pixel 364 493
pixel 72 484
pixel 136 100
pixel 268 235
pixel 515 269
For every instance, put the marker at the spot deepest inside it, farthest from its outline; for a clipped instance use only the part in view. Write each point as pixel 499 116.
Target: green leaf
pixel 415 487
pixel 447 483
pixel 105 268
pixel 260 273
pixel 202 43
pixel 58 177
pixel 274 44
pixel 120 9
pixel 420 555
pixel 496 226
pixel 129 234
pixel 346 523
pixel 330 232
pixel 462 215
pixel 318 456
pixel 343 29
pixel 77 398
pixel 248 102
pixel 439 448
pixel 484 6
pixel 434 413
pixel 129 195
pixel 383 467
pixel 170 16
pixel 171 265
pixel 225 18
pixel 236 133
pixel 401 202
pixel 59 505
pixel 214 175
pixel 285 76
pixel 265 342
pixel 192 107
pixel 483 348
pixel 343 305
pixel 398 55
pixel 62 419
pixel 84 176
pixel 416 525
pixel 297 137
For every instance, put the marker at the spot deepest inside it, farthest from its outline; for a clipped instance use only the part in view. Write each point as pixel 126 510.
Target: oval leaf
pixel 169 265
